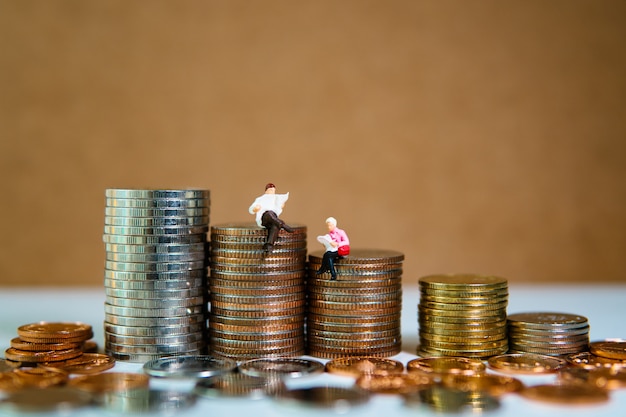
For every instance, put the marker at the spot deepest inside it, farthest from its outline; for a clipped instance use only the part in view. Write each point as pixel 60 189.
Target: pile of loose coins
pixel 548 333
pixel 358 313
pixel 257 298
pixel 45 354
pixel 462 315
pixel 155 273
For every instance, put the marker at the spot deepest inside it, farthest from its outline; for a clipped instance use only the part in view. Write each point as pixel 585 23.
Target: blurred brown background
pixel 482 136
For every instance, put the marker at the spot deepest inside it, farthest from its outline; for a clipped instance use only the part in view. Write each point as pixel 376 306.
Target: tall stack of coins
pixel 358 314
pixel 462 315
pixel 547 333
pixel 257 298
pixel 155 272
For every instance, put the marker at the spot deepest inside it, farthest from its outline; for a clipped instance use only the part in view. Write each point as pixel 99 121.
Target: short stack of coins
pixel 462 315
pixel 257 298
pixel 358 314
pixel 48 342
pixel 548 333
pixel 155 272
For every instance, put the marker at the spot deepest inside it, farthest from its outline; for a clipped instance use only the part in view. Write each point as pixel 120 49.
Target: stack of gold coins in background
pixel 155 273
pixel 358 314
pixel 257 298
pixel 547 333
pixel 462 315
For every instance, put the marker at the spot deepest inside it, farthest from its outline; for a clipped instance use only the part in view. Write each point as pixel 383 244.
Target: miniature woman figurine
pixel 267 208
pixel 337 246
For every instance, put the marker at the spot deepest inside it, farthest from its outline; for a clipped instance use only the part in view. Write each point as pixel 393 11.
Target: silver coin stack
pixel 155 273
pixel 548 333
pixel 257 298
pixel 358 314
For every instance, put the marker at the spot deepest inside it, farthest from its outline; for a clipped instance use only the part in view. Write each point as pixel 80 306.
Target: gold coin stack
pixel 358 314
pixel 462 315
pixel 155 273
pixel 257 298
pixel 548 333
pixel 48 342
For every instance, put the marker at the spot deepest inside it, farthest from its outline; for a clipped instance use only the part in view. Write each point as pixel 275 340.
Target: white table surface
pixel 603 305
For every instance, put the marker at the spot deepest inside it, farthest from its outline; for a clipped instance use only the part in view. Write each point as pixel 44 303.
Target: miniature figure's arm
pixel 254 207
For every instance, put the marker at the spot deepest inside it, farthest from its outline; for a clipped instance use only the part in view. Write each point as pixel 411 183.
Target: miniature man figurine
pixel 267 208
pixel 337 246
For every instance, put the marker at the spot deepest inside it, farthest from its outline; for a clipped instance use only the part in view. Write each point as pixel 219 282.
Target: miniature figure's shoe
pixel 333 277
pixel 320 271
pixel 287 228
pixel 268 247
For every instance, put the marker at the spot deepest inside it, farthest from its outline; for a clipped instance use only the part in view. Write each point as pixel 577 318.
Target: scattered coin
pixel 281 367
pixel 148 401
pixel 442 399
pixel 109 382
pixel 446 365
pixel 339 399
pixel 394 383
pixel 569 394
pixel 45 400
pixel 239 385
pixel 187 366
pixel 526 363
pixel 356 366
pixel 612 349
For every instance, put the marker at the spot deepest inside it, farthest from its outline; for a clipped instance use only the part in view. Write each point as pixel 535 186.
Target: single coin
pixel 119 193
pixel 526 363
pixel 365 255
pixel 608 378
pixel 590 361
pixel 360 365
pixel 443 399
pixel 182 203
pixel 394 383
pixel 20 344
pixel 45 400
pixel 239 385
pixel 148 401
pixel 9 381
pixel 87 363
pixel 446 365
pixel 41 377
pixel 156 211
pixel 547 320
pixel 109 381
pixel 4 366
pixel 34 332
pixel 612 349
pixel 496 385
pixel 41 356
pixel 463 282
pixel 154 239
pixel 567 394
pixel 281 367
pixel 189 366
pixel 339 399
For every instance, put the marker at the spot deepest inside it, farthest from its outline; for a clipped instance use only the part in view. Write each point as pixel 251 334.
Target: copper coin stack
pixel 155 273
pixel 358 314
pixel 257 298
pixel 462 315
pixel 548 333
pixel 48 342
